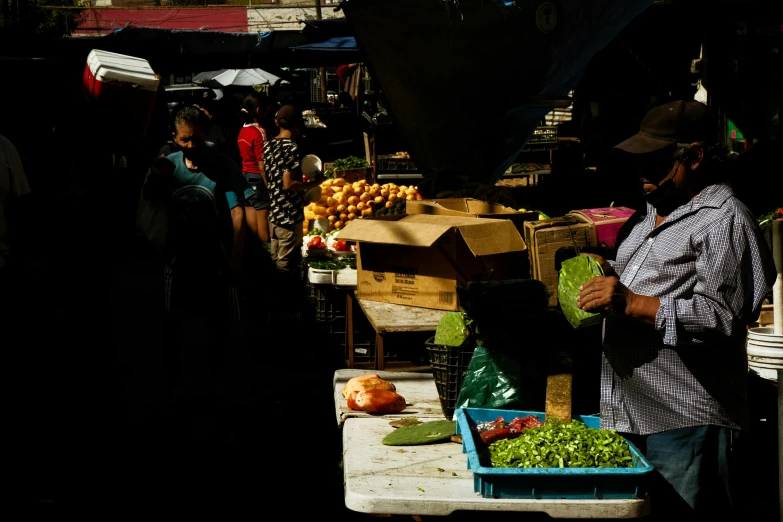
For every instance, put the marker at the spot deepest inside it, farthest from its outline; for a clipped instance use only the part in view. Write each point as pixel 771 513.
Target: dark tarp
pixel 182 50
pixel 175 50
pixel 461 78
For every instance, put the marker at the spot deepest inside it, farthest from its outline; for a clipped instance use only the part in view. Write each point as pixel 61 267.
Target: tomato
pixel 341 246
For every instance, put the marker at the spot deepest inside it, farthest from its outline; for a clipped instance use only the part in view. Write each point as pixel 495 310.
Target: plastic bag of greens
pixel 574 273
pixel 453 329
pixel 499 379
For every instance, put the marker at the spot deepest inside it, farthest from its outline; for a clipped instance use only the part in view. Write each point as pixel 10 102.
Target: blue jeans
pixel 699 472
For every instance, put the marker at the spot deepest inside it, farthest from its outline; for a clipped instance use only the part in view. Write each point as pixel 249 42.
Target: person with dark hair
pixel 212 131
pixel 204 192
pixel 690 276
pixel 286 186
pixel 251 141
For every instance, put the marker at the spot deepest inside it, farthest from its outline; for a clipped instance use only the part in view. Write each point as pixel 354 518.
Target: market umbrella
pixel 238 77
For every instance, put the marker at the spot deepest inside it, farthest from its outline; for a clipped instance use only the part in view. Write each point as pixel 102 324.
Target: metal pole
pixel 780 443
pixel 777 307
pixel 321 70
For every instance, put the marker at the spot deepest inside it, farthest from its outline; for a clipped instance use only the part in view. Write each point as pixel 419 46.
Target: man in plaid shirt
pixel 686 282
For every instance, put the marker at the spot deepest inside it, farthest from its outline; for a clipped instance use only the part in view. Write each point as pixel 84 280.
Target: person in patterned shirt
pixel 688 279
pixel 286 188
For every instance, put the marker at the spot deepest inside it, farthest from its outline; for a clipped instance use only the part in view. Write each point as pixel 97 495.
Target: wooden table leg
pixel 379 355
pixel 349 327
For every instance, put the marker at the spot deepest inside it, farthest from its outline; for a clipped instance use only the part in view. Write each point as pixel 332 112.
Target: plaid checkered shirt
pixel 711 268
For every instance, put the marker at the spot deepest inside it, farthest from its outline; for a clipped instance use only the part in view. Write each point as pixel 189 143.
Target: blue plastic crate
pixel 538 483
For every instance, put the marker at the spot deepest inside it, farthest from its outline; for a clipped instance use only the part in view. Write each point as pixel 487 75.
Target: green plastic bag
pixel 498 379
pixel 574 273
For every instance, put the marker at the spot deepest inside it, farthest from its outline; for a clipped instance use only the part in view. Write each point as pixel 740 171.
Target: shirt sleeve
pixel 292 158
pixel 258 145
pixel 732 281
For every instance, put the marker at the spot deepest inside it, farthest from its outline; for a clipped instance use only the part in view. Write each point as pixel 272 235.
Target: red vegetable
pixel 497 434
pixel 341 246
pixel 316 243
pixel 490 425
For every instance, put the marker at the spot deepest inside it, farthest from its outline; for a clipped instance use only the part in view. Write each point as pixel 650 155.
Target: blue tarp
pixel 341 43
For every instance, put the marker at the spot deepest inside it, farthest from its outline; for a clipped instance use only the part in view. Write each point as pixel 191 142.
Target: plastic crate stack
pixel 328 305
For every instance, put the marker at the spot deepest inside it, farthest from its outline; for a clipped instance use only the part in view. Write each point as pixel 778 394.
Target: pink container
pixel 607 221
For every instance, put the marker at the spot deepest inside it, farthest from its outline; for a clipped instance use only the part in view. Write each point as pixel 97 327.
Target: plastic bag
pixel 499 379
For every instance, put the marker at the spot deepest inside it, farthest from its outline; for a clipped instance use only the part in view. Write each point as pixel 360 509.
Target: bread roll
pixel 366 381
pixel 380 401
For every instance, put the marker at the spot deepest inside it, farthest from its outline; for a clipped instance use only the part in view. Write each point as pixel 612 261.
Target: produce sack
pixel 498 308
pixel 452 329
pixel 499 379
pixel 574 273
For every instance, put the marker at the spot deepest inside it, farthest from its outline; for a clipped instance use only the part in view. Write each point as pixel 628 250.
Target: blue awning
pixel 340 43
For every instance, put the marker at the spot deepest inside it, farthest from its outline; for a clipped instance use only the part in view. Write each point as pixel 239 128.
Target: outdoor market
pixel 395 258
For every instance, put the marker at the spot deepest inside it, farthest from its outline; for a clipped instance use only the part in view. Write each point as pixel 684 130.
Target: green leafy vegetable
pixel 335 264
pixel 351 162
pixel 452 329
pixel 424 433
pixel 562 445
pixel 573 273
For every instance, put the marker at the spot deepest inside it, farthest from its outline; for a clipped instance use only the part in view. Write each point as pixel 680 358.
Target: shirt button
pixel 636 267
pixel 650 240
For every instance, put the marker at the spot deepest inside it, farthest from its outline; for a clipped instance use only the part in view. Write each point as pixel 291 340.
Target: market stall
pixel 434 478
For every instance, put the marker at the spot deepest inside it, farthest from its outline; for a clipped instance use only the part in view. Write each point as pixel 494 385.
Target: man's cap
pixel 288 117
pixel 667 125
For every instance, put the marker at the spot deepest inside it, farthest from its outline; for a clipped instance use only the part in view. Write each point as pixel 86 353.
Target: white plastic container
pixel 124 87
pixel 765 352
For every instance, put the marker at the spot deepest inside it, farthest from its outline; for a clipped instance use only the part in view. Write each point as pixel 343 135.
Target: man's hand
pixel 605 266
pixel 607 294
pixel 162 166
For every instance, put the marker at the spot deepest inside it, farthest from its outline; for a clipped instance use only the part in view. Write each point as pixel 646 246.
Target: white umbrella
pixel 242 77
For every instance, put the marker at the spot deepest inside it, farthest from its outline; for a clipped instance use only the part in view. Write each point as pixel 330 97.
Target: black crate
pixel 328 302
pixel 449 364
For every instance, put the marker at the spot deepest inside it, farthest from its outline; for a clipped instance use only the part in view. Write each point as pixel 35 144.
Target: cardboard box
pixel 418 260
pixel 545 237
pixel 469 207
pixel 607 222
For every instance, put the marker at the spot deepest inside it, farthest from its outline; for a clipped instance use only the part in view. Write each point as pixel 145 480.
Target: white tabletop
pixel 433 479
pixel 421 395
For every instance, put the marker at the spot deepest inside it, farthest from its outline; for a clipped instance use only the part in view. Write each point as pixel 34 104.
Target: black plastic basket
pixel 449 364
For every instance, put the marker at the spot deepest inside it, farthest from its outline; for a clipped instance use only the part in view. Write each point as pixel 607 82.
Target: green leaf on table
pixel 424 433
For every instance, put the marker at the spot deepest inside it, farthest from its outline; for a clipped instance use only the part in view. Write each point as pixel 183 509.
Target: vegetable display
pixel 342 202
pixel 316 243
pixel 333 264
pixel 562 445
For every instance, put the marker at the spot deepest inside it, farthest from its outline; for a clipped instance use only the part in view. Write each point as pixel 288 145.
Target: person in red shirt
pixel 251 141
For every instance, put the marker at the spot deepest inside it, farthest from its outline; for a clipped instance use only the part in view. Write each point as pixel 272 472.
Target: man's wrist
pixel 641 307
